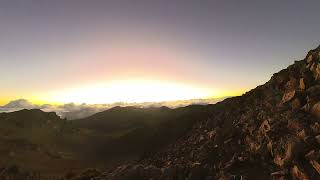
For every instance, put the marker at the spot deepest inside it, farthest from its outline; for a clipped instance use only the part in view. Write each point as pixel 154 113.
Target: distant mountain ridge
pixel 73 111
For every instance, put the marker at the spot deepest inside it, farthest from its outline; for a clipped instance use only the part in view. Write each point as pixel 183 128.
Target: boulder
pixel 285 152
pixel 302 85
pixel 288 96
pixel 296 104
pixel 315 128
pixel 316 110
pixel 265 127
pixel 317 72
pixel 297 174
pixel 309 59
pixel 291 85
pixel 313 93
pixel 315 165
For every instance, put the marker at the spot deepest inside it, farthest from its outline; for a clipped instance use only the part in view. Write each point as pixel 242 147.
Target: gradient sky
pixel 50 49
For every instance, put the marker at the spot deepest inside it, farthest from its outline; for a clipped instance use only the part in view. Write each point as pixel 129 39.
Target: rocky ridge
pixel 271 132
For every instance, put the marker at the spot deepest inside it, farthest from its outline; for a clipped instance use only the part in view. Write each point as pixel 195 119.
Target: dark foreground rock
pixel 13 172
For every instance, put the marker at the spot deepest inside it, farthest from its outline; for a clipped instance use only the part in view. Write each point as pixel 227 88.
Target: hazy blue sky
pixel 50 46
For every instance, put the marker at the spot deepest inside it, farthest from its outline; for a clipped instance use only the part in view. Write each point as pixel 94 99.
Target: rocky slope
pixel 271 132
pixel 34 140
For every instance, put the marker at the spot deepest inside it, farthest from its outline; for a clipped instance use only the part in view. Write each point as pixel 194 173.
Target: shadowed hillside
pixel 142 130
pixel 42 142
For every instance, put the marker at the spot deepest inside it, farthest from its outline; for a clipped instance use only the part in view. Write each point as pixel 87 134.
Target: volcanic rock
pixel 316 110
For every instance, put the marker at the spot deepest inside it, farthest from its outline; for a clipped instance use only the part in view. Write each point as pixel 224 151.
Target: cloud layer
pixel 77 111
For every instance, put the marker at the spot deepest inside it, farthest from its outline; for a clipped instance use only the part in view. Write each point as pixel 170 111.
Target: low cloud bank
pixel 77 111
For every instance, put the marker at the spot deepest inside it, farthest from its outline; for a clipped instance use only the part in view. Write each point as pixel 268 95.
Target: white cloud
pixel 20 103
pixel 78 111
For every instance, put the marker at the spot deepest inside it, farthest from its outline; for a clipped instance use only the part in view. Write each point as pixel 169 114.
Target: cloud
pixel 20 103
pixel 77 111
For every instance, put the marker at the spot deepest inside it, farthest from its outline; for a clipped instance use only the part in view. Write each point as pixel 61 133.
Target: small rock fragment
pixel 309 59
pixel 295 126
pixel 211 134
pixel 281 160
pixel 302 135
pixel 291 85
pixel 302 84
pixel 317 72
pixel 315 128
pixel 318 139
pixel 269 146
pixel 306 107
pixel 288 96
pixel 316 110
pixel 310 155
pixel 315 165
pixel 297 174
pixel 278 174
pixel 295 104
pixel 265 127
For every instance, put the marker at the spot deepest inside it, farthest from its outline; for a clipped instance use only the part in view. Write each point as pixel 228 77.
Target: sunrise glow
pixel 130 91
pixel 116 55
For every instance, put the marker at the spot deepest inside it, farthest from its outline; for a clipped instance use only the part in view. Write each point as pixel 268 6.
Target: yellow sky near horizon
pixel 124 71
pixel 134 91
pixel 68 51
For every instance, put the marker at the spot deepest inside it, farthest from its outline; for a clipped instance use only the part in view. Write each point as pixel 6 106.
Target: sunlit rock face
pixel 316 110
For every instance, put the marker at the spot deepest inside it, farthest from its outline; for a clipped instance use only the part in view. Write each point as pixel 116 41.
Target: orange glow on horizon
pixel 130 91
pixel 127 91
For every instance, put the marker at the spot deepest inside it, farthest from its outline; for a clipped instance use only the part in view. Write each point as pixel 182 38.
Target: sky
pixel 106 51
